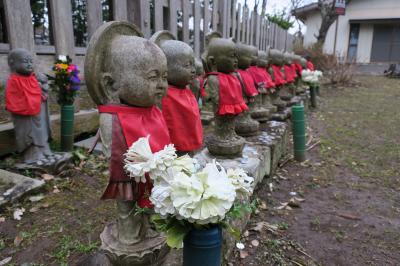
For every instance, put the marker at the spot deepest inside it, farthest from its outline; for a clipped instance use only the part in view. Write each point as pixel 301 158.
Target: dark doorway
pixel 386 43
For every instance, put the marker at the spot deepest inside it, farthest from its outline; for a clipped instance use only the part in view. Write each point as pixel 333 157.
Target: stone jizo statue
pixel 262 65
pixel 275 70
pixel 126 76
pixel 245 124
pixel 26 100
pixel 197 84
pixel 224 91
pixel 179 106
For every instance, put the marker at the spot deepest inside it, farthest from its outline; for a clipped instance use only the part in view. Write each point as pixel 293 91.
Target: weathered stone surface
pixel 206 118
pixel 282 115
pixel 85 121
pixel 16 186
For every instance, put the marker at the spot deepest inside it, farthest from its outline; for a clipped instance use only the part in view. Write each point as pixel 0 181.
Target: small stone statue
pixel 288 90
pixel 262 65
pixel 126 76
pixel 26 99
pixel 245 124
pixel 299 68
pixel 259 112
pixel 225 93
pixel 277 75
pixel 197 84
pixel 179 107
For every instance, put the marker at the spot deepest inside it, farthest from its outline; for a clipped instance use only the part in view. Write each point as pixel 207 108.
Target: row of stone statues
pixel 130 77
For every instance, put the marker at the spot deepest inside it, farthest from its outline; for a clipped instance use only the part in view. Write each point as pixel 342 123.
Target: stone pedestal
pixel 151 251
pixel 258 111
pixel 245 126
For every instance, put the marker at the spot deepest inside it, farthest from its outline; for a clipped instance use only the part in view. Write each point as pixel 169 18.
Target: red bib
pixel 182 115
pixel 248 83
pixel 289 73
pixel 261 76
pixel 23 95
pixel 231 100
pixel 130 124
pixel 202 90
pixel 278 75
pixel 310 66
pixel 298 68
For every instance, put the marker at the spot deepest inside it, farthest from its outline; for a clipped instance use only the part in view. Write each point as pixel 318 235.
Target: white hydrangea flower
pixel 241 181
pixel 204 197
pixel 139 160
pixel 62 58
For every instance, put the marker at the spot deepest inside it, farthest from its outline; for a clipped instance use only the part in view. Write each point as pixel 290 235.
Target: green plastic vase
pixel 67 127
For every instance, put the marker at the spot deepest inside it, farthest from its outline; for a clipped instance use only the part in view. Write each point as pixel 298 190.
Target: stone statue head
pixel 254 54
pixel 262 59
pixel 198 67
pixel 276 57
pixel 123 67
pixel 287 58
pixel 303 62
pixel 43 81
pixel 220 54
pixel 20 61
pixel 180 58
pixel 245 55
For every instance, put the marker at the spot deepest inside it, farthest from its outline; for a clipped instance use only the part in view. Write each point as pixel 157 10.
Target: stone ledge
pixel 86 121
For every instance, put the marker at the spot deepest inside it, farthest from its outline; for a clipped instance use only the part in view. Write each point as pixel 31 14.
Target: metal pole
pixel 299 133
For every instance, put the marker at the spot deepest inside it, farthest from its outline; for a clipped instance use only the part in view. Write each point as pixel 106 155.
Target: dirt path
pixel 351 186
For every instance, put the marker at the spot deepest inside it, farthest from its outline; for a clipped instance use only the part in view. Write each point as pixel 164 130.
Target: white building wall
pixel 357 9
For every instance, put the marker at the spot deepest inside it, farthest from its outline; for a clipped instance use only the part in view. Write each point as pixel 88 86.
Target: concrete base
pixel 282 115
pixel 15 186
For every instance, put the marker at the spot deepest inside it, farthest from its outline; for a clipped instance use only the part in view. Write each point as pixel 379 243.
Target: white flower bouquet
pixel 311 78
pixel 184 196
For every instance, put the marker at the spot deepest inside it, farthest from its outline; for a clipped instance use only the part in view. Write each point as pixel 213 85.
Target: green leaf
pixel 176 234
pixel 160 223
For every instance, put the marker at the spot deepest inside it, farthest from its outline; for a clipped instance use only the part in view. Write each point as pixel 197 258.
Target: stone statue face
pixel 276 57
pixel 138 72
pixel 222 56
pixel 180 60
pixel 199 67
pixel 21 61
pixel 254 58
pixel 287 58
pixel 262 59
pixel 245 55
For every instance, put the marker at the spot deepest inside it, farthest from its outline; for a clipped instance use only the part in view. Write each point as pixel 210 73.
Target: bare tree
pixel 329 16
pixel 263 8
pixel 295 4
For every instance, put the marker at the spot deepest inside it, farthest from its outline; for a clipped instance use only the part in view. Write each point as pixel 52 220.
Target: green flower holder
pixel 67 127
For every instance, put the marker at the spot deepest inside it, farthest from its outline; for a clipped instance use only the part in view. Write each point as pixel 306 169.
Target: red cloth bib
pixel 298 68
pixel 130 124
pixel 289 73
pixel 310 66
pixel 231 100
pixel 278 75
pixel 182 115
pixel 261 77
pixel 248 82
pixel 23 95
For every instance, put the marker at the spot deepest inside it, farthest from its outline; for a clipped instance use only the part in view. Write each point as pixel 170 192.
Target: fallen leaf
pixel 45 205
pixel 283 206
pixel 17 215
pixel 17 240
pixel 246 233
pixel 255 243
pixel 348 216
pixel 36 198
pixel 47 177
pixel 260 226
pixel 56 190
pixel 271 187
pixel 5 261
pixel 2 219
pixel 243 254
pixel 263 205
pixel 293 202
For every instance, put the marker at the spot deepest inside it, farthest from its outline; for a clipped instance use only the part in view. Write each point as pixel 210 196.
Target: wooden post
pixel 158 16
pixel 62 27
pixel 94 16
pixel 185 20
pixel 248 23
pixel 257 30
pixel 223 16
pixel 244 23
pixel 215 16
pixel 141 15
pixel 234 19
pixel 120 8
pixel 207 19
pixel 19 24
pixel 252 23
pixel 173 20
pixel 197 17
pixel 239 24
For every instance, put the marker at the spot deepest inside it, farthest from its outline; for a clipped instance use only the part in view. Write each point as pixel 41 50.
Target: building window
pixel 107 9
pixel 353 42
pixel 3 27
pixel 79 22
pixel 41 21
pixel 386 43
